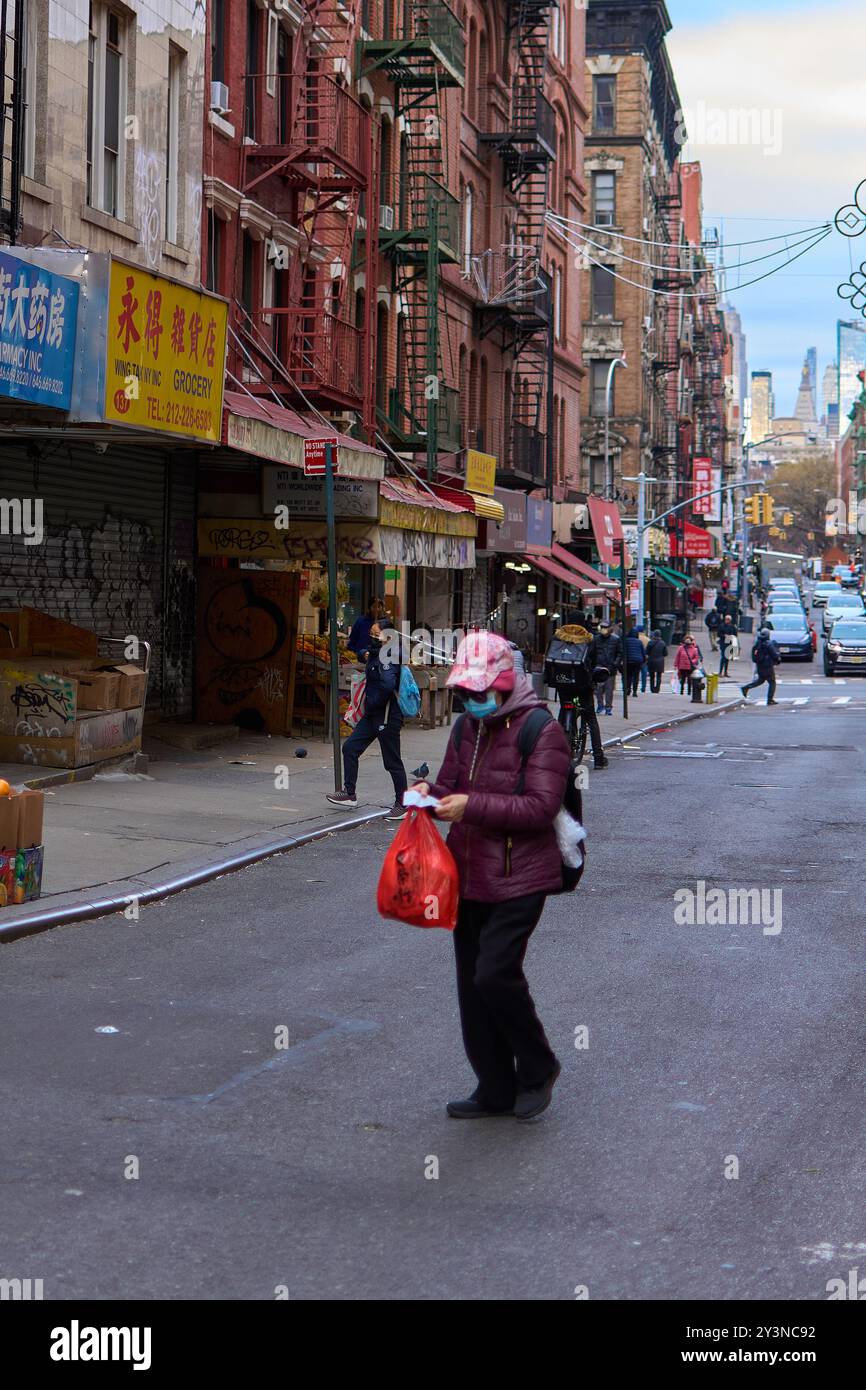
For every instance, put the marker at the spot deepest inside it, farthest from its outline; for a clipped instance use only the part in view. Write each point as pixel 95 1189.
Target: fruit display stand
pixel 68 696
pixel 22 855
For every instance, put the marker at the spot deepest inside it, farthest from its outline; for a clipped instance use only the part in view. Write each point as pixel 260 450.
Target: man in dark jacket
pixel 656 654
pixel 582 693
pixel 382 720
pixel 359 637
pixel 767 657
pixel 508 859
pixel 712 622
pixel 608 656
pixel 636 654
pixel 728 639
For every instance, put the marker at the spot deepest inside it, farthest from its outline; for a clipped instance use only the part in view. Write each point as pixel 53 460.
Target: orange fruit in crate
pixel 5 789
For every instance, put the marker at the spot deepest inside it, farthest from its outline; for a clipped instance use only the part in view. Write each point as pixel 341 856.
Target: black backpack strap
pixel 529 735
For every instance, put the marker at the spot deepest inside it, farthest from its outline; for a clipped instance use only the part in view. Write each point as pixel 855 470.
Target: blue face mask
pixel 480 709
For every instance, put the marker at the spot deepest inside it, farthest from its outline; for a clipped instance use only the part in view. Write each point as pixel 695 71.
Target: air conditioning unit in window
pixel 279 254
pixel 687 334
pixel 386 218
pixel 219 98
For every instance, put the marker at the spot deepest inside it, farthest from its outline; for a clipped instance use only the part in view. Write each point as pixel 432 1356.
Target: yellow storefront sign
pixel 166 355
pixel 480 472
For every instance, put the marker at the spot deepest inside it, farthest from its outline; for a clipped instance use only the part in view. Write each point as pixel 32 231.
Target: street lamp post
pixel 608 477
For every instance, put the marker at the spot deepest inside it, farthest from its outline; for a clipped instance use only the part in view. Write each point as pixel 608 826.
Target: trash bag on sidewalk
pixel 418 883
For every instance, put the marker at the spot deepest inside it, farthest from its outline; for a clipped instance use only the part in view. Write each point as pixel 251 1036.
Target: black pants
pixel 655 678
pixel 685 681
pixel 504 1040
pixel 586 701
pixel 387 731
pixel 634 679
pixel 764 678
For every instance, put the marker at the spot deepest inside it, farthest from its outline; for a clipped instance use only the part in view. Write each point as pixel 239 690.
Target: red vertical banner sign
pixel 702 480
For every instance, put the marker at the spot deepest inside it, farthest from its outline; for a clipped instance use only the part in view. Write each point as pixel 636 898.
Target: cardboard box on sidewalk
pixel 98 690
pixel 133 684
pixel 22 855
pixel 29 864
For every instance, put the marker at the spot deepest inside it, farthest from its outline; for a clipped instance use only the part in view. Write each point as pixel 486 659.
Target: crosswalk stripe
pixel 846 700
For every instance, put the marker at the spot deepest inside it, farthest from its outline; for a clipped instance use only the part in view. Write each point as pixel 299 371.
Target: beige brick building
pixel 631 292
pixel 113 92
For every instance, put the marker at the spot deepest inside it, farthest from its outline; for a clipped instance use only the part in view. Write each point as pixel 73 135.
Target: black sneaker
pixel 772 702
pixel 345 800
pixel 397 812
pixel 473 1110
pixel 600 763
pixel 531 1102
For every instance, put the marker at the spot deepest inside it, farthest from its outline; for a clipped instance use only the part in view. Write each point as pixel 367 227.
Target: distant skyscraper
pixel 734 325
pixel 830 400
pixel 763 406
pixel 852 359
pixel 807 399
pixel 807 405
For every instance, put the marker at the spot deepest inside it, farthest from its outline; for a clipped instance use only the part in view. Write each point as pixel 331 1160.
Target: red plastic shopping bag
pixel 418 883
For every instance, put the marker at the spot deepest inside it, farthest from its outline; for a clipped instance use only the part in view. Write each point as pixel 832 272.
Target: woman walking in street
pixel 501 809
pixel 687 662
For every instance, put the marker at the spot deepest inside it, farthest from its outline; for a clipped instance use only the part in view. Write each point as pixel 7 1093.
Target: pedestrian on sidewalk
pixel 729 645
pixel 713 622
pixel 688 660
pixel 636 655
pixel 359 637
pixel 567 644
pixel 508 859
pixel 767 657
pixel 382 719
pixel 644 670
pixel 656 655
pixel 608 655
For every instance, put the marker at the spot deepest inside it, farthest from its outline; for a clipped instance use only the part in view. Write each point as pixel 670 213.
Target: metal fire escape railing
pixel 527 149
pixel 316 167
pixel 423 54
pixel 12 43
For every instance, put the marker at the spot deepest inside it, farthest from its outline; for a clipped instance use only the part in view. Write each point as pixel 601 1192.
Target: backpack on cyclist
pixel 568 662
pixel 570 832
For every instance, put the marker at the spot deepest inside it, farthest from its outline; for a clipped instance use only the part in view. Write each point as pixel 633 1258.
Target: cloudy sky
pixel 803 65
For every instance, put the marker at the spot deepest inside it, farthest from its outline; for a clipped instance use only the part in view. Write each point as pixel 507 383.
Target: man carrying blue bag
pixel 388 685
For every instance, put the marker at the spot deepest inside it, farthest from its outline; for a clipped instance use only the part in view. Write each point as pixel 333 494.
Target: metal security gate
pixel 116 547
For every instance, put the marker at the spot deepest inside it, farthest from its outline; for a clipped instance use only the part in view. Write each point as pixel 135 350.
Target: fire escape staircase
pixel 423 60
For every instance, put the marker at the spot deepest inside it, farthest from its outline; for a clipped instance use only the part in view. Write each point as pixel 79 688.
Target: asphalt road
pixel 304 1167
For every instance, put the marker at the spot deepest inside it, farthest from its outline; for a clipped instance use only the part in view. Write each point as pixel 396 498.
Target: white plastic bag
pixel 570 836
pixel 675 685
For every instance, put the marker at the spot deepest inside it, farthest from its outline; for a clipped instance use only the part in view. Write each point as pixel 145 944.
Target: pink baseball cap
pixel 484 661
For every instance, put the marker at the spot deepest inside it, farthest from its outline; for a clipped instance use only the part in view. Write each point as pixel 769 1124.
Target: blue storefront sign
pixel 539 524
pixel 38 322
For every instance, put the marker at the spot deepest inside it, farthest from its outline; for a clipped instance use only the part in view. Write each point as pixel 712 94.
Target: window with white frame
pixel 557 304
pixel 559 32
pixel 176 64
pixel 106 109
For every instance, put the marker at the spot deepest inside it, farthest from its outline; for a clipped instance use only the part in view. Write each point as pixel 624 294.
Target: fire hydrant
pixel 697 690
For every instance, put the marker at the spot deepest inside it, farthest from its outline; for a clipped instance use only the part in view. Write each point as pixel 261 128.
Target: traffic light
pixel 753 511
pixel 767 510
pixel 788 519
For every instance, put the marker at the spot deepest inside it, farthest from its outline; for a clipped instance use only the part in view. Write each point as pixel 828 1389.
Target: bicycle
pixel 576 730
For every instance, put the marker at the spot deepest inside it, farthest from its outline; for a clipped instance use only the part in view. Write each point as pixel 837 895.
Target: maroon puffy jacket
pixel 505 846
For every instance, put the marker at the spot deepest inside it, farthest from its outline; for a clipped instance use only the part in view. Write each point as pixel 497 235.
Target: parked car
pixel 842 605
pixel 845 648
pixel 792 636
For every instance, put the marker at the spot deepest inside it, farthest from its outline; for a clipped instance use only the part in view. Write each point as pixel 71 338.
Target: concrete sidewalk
pixel 125 834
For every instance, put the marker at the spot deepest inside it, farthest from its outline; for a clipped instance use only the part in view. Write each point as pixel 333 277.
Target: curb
pixel 705 712
pixel 33 922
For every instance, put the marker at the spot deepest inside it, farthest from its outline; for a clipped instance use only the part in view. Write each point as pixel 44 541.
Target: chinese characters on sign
pixel 166 355
pixel 38 322
pixel 702 478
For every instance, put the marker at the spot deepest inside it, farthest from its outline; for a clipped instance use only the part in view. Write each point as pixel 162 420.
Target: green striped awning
pixel 674 577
